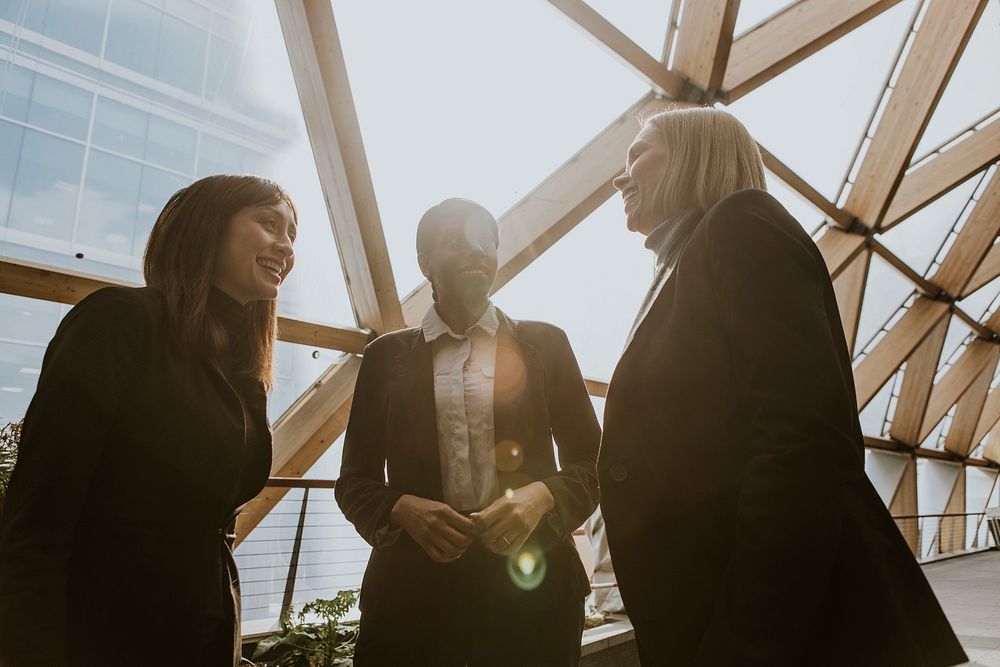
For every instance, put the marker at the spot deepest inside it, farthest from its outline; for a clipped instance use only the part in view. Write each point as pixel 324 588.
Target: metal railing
pixel 932 536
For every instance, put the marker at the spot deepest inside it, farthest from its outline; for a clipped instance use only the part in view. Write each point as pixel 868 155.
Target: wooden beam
pixel 934 53
pixel 850 290
pixel 944 172
pixel 36 281
pixel 789 37
pixel 973 242
pixel 904 502
pixel 536 222
pixel 618 44
pixel 918 380
pixel 962 430
pixel 897 345
pixel 597 388
pixel 956 382
pixel 317 62
pixel 987 418
pixel 991 451
pixel 987 272
pixel 704 41
pixel 672 25
pixel 838 249
pixel 786 175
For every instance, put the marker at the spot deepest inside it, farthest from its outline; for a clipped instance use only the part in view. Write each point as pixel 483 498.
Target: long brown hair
pixel 180 258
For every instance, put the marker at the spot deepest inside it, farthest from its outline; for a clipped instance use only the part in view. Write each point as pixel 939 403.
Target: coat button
pixel 618 472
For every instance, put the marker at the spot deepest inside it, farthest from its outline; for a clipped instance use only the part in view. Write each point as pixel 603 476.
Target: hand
pixel 441 532
pixel 506 525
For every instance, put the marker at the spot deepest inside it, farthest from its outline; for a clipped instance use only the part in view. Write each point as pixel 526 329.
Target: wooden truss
pixel 702 63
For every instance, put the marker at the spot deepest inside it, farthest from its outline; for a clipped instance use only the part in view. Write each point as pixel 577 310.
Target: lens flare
pixel 527 568
pixel 509 456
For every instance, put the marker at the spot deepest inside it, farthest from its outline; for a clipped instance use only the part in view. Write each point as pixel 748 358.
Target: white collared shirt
pixel 464 366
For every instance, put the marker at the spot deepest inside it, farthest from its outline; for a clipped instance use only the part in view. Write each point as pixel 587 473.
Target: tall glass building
pixel 106 109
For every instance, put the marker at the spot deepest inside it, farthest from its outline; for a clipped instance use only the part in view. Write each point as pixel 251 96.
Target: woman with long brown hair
pixel 148 431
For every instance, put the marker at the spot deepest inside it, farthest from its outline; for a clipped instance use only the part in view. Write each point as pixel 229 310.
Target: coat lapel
pixel 415 397
pixel 514 368
pixel 647 307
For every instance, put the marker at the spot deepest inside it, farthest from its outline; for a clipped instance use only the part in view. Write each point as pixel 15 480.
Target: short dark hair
pixel 450 209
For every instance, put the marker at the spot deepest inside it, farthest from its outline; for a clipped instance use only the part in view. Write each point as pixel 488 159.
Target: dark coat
pixel 539 394
pixel 114 547
pixel 742 526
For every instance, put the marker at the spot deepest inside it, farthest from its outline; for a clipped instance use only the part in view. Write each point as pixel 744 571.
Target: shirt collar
pixel 434 327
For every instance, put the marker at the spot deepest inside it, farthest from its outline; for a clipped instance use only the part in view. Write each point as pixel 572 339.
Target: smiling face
pixel 645 168
pixel 462 259
pixel 255 253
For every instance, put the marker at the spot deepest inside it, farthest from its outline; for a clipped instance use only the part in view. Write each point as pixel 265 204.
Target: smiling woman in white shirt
pixel 450 473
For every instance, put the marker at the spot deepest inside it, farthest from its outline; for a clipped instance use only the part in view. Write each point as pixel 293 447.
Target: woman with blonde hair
pixel 743 528
pixel 147 433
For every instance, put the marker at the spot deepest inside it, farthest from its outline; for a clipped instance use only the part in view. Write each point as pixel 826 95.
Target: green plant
pixel 326 642
pixel 594 618
pixel 10 436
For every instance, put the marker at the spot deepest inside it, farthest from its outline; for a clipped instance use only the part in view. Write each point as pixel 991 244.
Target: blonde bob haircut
pixel 709 155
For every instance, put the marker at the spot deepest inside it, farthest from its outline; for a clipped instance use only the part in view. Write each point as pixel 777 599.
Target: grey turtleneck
pixel 667 242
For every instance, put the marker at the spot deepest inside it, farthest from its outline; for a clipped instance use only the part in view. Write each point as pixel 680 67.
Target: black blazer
pixel 742 526
pixel 113 546
pixel 539 394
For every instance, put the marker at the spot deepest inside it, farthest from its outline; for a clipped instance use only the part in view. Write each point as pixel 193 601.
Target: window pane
pixel 218 156
pixel 79 23
pixel 15 92
pixel 26 326
pixel 110 195
pixel 171 144
pixel 28 14
pixel 180 60
pixel 45 190
pixel 157 187
pixel 223 68
pixel 119 127
pixel 133 33
pixel 59 107
pixel 10 146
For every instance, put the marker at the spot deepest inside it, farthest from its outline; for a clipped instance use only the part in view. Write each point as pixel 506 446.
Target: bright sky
pixel 483 100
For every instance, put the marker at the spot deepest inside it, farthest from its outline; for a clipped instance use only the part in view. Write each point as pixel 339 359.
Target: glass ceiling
pixel 478 100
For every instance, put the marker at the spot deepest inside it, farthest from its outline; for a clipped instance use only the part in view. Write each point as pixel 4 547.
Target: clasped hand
pixel 503 527
pixel 506 524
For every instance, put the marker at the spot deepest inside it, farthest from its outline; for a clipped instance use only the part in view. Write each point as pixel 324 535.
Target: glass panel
pixel 976 304
pixel 802 114
pixel 15 91
pixel 808 217
pixel 263 559
pixel 110 196
pixel 296 368
pixel 223 68
pixel 885 291
pixel 563 285
pixel 645 23
pixel 45 190
pixel 218 156
pixel 79 23
pixel 26 327
pixel 29 14
pixel 59 107
pixel 479 126
pixel 753 13
pixel 180 59
pixel 917 239
pixel 873 416
pixel 10 145
pixel 157 187
pixel 133 35
pixel 171 145
pixel 974 87
pixel 119 127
